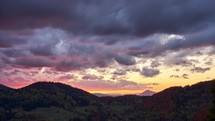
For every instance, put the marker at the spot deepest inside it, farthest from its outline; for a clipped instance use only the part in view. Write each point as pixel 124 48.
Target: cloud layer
pixel 74 35
pixel 142 17
pixel 96 85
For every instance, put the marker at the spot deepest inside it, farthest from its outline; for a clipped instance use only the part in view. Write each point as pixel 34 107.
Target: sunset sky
pixel 107 46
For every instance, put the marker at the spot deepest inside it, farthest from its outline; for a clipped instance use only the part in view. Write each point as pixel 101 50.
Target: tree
pixel 2 115
pixel 212 113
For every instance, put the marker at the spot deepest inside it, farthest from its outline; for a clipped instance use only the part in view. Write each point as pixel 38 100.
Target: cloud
pixel 17 77
pixel 111 85
pixel 12 52
pixel 66 77
pixel 178 58
pixel 200 69
pixel 58 42
pixel 155 63
pixel 69 64
pixel 149 72
pixel 49 41
pixel 133 69
pixel 174 76
pixel 91 77
pixel 66 51
pixel 105 18
pixel 63 37
pixel 120 72
pixel 34 14
pixel 211 50
pixel 125 59
pixel 184 76
pixel 2 64
pixel 201 38
pixel 31 62
pixel 7 40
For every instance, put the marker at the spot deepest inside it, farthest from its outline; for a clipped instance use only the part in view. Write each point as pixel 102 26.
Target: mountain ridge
pixel 3 87
pixel 174 103
pixel 59 87
pixel 35 85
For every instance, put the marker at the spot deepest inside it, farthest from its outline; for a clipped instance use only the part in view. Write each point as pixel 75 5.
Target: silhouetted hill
pixel 179 103
pixel 60 88
pixel 45 94
pixel 3 87
pixel 123 100
pixel 50 101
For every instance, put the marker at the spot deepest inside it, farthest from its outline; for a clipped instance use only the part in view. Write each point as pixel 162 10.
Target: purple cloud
pixel 200 69
pixel 149 72
pixel 111 85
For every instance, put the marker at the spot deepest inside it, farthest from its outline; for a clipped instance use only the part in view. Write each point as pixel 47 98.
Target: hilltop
pixel 56 101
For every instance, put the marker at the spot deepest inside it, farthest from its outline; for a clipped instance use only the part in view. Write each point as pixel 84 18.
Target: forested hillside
pixel 47 101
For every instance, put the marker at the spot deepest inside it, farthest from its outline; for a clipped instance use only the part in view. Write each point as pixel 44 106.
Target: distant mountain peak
pixel 147 93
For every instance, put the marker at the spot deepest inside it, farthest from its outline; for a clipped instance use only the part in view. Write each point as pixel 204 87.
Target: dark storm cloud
pixel 91 77
pixel 31 8
pixel 184 76
pixel 106 39
pixel 144 17
pixel 69 64
pixel 76 34
pixel 200 69
pixel 55 42
pixel 140 17
pixel 161 16
pixel 12 52
pixel 64 52
pixel 31 62
pixel 7 40
pixel 149 72
pixel 112 85
pixel 33 14
pixel 155 63
pixel 198 39
pixel 152 46
pixel 66 77
pixel 125 59
pixel 2 64
pixel 120 72
pixel 175 76
pixel 178 59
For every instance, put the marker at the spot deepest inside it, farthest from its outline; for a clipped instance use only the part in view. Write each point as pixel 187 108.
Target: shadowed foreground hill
pixel 47 101
pixel 56 87
pixel 179 104
pixel 2 87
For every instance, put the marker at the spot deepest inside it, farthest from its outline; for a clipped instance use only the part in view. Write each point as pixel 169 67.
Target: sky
pixel 107 46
